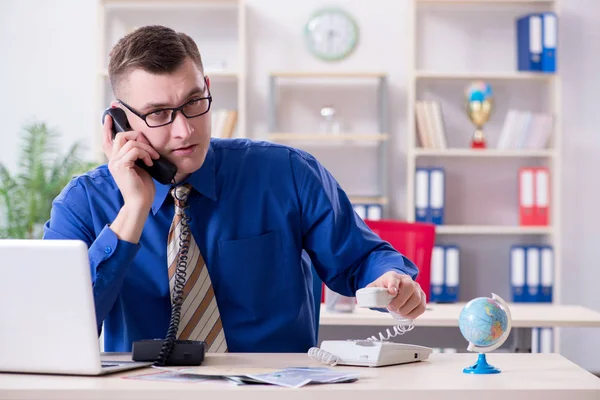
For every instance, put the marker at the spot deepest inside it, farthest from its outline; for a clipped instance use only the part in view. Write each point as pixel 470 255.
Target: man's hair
pixel 155 49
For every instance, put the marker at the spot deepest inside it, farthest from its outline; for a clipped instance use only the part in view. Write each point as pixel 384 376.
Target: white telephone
pixel 372 352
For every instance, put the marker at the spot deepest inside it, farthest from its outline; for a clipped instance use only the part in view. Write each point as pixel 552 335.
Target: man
pixel 258 214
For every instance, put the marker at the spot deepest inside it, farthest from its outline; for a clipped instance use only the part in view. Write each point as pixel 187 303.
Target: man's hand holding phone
pixel 135 184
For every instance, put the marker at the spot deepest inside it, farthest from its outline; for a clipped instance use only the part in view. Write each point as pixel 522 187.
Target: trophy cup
pixel 479 104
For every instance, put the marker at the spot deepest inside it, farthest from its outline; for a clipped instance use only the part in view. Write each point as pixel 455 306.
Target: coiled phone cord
pixel 177 301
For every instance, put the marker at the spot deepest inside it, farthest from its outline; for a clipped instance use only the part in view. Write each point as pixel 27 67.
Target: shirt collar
pixel 203 180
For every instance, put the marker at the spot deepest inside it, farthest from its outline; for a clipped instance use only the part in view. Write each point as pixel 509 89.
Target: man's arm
pixel 109 255
pixel 346 254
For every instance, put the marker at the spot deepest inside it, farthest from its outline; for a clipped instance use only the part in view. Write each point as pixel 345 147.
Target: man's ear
pixel 207 78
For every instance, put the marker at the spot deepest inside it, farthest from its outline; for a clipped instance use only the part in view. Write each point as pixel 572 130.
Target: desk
pixel 523 377
pixel 524 317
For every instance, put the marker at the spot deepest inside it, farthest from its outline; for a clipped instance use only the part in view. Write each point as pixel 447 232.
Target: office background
pixel 50 68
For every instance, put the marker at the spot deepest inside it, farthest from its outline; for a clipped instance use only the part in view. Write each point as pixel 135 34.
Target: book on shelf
pixel 526 130
pixel 430 124
pixel 223 123
pixel 367 211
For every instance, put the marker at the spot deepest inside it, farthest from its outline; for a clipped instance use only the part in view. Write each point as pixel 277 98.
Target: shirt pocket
pixel 252 273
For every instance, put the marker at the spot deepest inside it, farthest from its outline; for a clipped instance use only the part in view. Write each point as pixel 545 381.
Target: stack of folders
pixel 445 267
pixel 430 125
pixel 531 273
pixel 368 211
pixel 542 340
pixel 526 130
pixel 429 195
pixel 534 196
pixel 536 42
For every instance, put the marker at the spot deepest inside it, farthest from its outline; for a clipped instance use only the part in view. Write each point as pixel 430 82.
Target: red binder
pixel 542 196
pixel 526 191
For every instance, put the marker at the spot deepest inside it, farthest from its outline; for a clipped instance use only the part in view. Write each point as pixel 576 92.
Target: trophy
pixel 479 103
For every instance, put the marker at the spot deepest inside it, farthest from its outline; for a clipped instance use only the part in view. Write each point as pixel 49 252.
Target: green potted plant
pixel 26 196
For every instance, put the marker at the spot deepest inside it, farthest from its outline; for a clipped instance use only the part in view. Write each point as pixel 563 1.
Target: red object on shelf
pixel 413 240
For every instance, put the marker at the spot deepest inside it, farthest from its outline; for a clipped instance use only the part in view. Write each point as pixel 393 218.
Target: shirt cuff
pixel 107 244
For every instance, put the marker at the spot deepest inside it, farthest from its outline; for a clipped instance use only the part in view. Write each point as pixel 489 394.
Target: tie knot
pixel 180 194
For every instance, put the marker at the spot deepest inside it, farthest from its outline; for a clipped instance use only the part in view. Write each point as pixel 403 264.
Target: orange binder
pixel 542 196
pixel 526 192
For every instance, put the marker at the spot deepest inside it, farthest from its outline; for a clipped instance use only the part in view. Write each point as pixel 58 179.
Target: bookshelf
pixel 441 77
pixel 297 136
pixel 217 26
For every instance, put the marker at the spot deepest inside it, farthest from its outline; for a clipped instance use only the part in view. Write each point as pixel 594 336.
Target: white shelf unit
pixel 217 26
pixel 497 234
pixel 379 137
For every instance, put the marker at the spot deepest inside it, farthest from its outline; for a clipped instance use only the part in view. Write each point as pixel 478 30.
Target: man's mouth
pixel 185 149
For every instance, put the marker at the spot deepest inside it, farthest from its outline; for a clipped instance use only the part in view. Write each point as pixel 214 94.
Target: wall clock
pixel 331 34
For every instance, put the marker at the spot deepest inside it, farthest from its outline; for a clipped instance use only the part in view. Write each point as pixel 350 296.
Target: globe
pixel 485 323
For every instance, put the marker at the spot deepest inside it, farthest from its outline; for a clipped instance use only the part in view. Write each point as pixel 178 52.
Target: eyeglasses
pixel 164 116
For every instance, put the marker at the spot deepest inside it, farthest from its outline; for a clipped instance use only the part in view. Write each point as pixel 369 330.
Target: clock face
pixel 331 34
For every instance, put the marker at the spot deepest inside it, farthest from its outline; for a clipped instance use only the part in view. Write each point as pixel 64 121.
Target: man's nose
pixel 181 127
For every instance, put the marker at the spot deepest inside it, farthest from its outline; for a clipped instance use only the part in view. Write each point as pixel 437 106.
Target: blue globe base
pixel 481 367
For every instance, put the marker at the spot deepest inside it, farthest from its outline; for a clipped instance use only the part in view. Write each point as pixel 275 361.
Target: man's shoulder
pixel 97 179
pixel 241 148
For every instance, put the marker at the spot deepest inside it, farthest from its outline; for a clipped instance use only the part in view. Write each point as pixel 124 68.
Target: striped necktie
pixel 199 318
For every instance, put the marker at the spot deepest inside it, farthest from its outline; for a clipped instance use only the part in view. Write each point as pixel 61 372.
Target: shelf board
pixel 175 4
pixel 492 230
pixel 324 74
pixel 499 153
pixel 359 137
pixel 214 75
pixel 431 75
pixel 368 200
pixel 524 315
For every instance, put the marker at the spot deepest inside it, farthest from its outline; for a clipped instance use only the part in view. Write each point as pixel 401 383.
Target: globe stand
pixel 481 367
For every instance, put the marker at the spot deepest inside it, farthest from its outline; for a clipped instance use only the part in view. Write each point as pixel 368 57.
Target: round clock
pixel 331 34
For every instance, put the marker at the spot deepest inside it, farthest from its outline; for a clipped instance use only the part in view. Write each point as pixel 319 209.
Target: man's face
pixel 185 141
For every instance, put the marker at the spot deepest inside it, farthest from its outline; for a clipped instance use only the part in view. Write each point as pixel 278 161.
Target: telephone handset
pixel 374 351
pixel 162 170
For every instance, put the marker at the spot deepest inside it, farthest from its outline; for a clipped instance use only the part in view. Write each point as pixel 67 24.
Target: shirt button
pixel 107 250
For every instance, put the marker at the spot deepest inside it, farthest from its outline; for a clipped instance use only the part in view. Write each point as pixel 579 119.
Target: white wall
pixel 47 53
pixel 48 72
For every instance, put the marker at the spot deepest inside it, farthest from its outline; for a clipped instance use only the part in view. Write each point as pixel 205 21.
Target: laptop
pixel 47 314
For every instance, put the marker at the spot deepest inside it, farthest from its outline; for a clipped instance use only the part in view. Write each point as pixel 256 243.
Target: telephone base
pixel 373 353
pixel 184 353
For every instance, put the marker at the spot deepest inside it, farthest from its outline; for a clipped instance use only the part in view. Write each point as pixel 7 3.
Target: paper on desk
pixel 171 376
pixel 287 377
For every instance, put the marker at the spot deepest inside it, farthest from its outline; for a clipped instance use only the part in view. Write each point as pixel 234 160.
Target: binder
pixel 529 43
pixel 451 274
pixel 436 195
pixel 542 196
pixel 422 213
pixel 517 273
pixel 437 274
pixel 535 340
pixel 546 336
pixel 550 39
pixel 526 197
pixel 546 274
pixel 532 271
pixel 361 210
pixel 374 212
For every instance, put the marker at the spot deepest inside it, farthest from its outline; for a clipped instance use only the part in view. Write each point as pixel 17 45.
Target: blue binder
pixel 532 273
pixel 549 42
pixel 422 210
pixel 518 268
pixel 451 273
pixel 546 274
pixel 437 279
pixel 529 42
pixel 437 184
